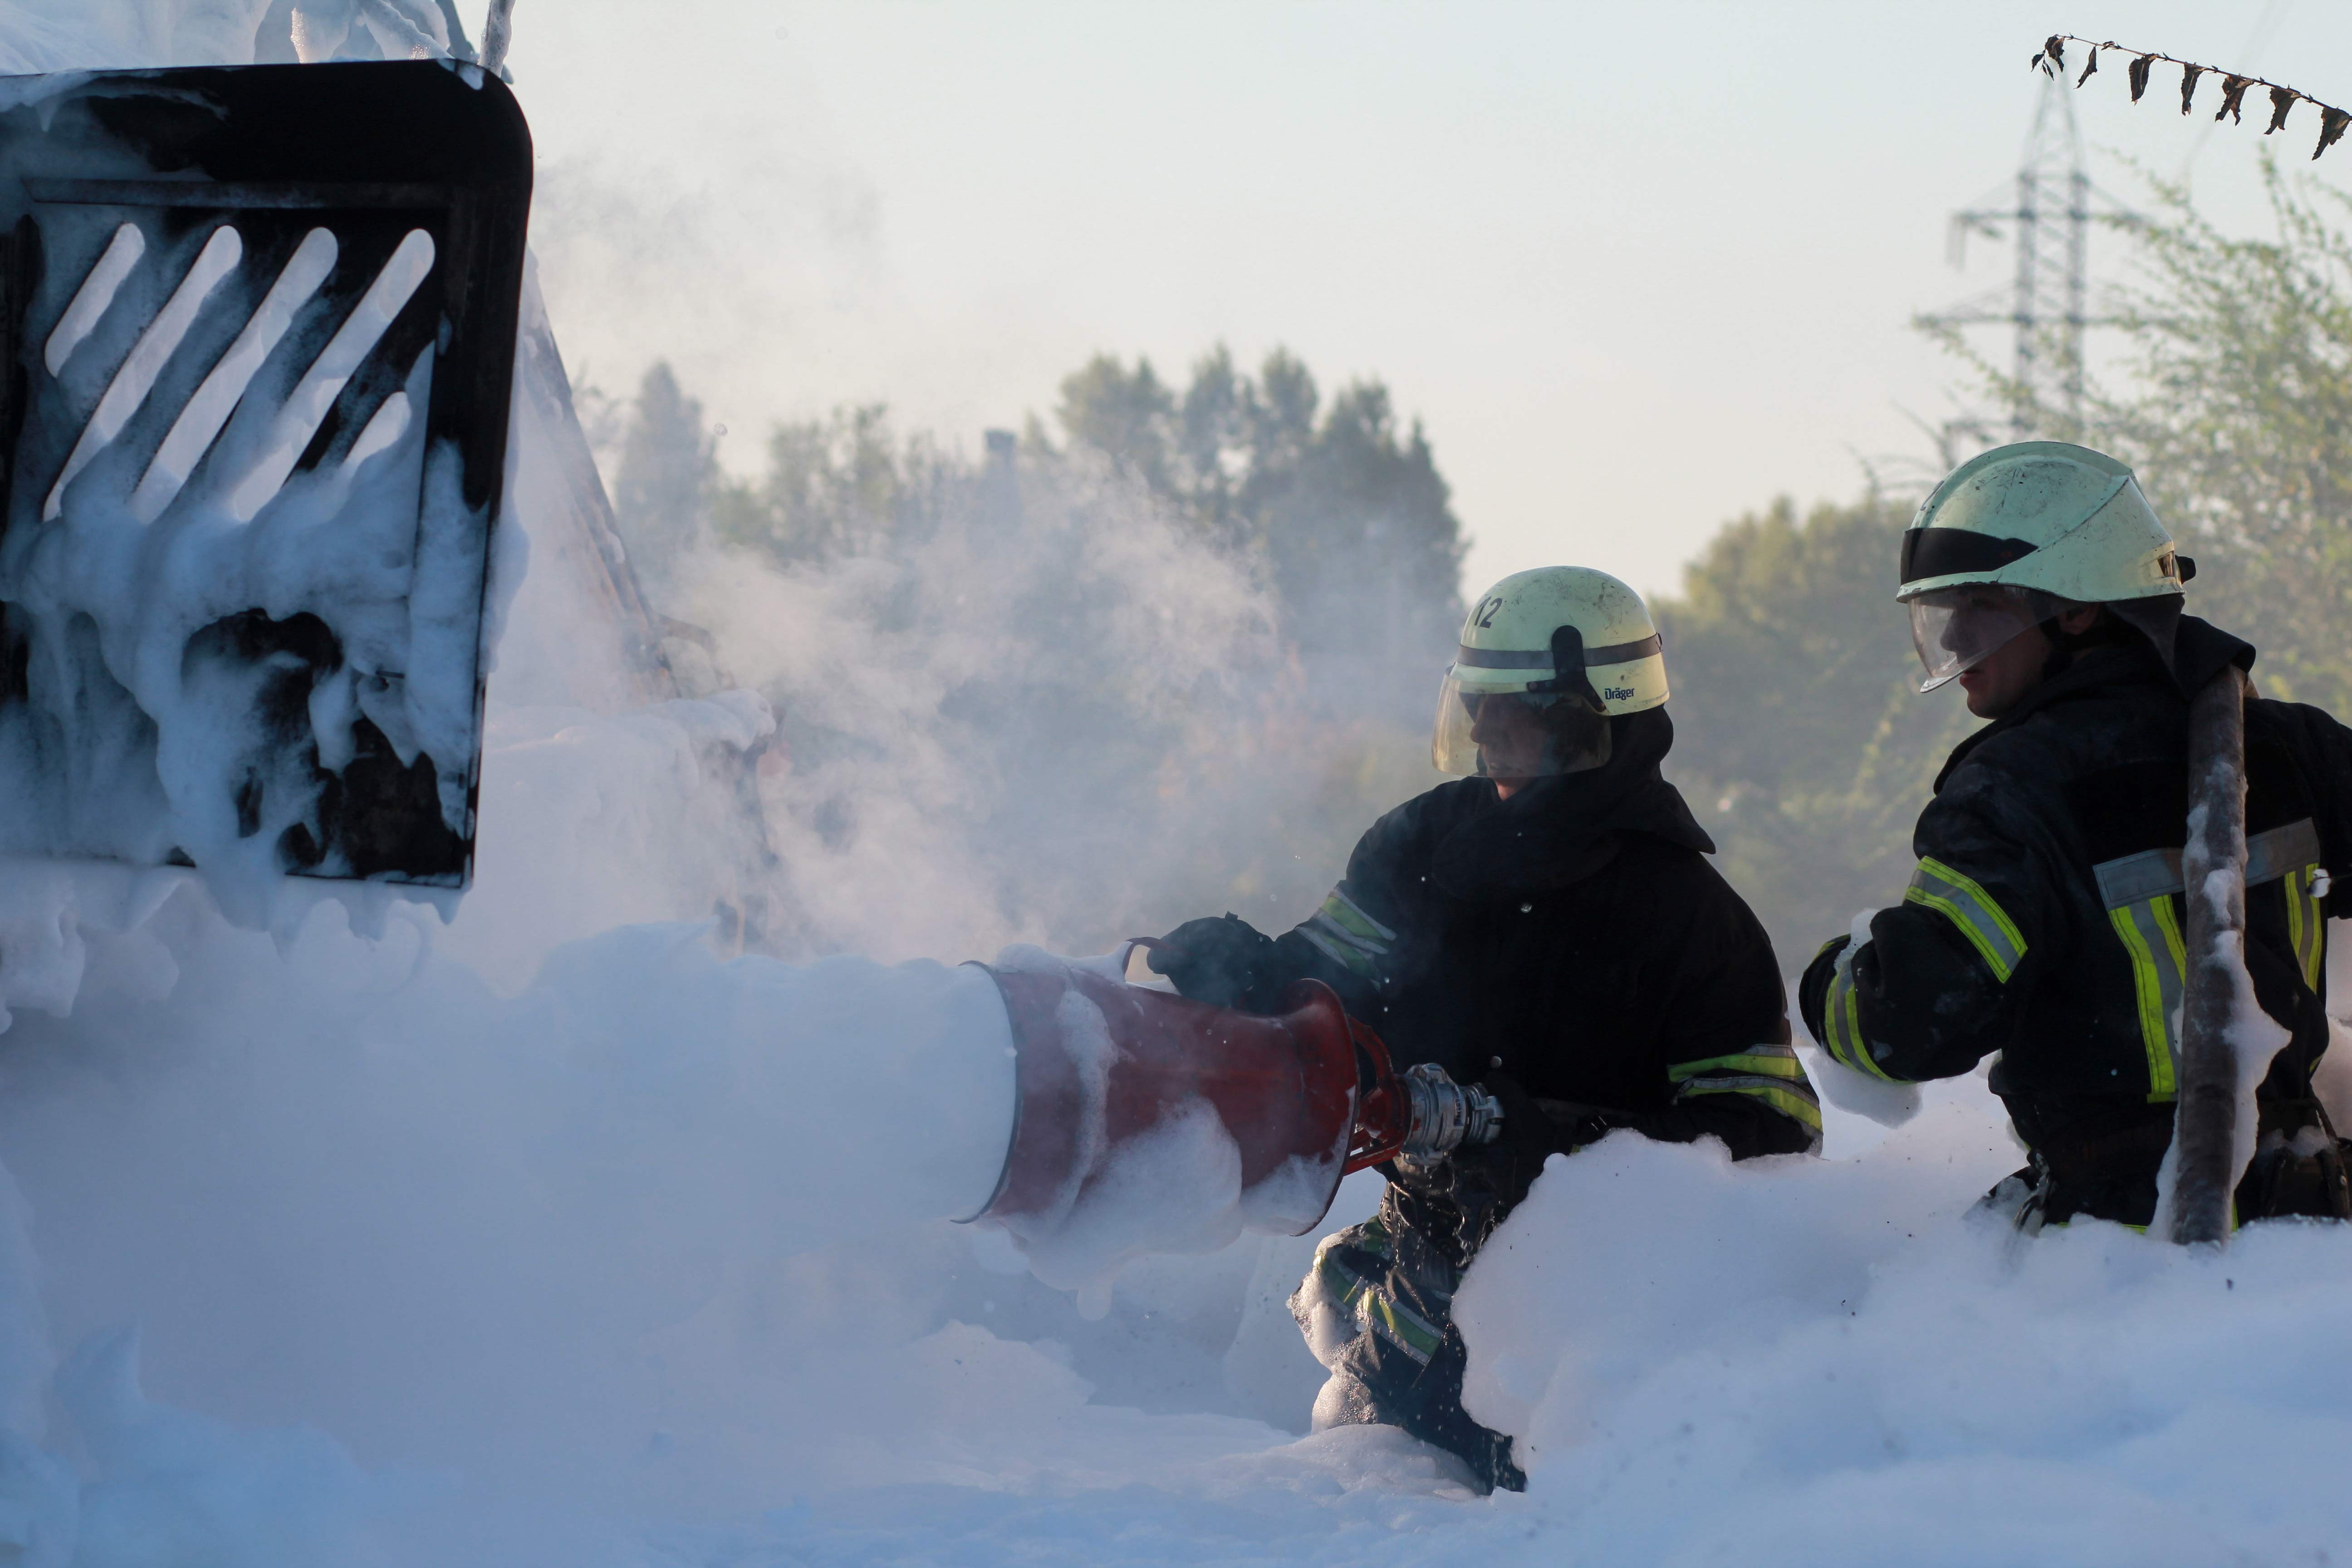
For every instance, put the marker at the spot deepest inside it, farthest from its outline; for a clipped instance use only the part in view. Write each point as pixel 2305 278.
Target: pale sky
pixel 1637 268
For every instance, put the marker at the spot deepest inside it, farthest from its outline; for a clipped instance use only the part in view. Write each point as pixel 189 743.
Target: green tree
pixel 1361 537
pixel 1216 426
pixel 668 475
pixel 1343 512
pixel 2237 416
pixel 2233 402
pixel 1127 416
pixel 846 485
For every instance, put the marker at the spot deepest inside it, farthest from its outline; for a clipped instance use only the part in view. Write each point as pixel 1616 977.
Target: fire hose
pixel 1307 1093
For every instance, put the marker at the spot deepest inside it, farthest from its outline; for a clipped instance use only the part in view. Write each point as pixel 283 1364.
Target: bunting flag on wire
pixel 2051 59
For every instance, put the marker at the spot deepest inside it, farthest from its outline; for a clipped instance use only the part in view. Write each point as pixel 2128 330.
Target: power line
pixel 2047 221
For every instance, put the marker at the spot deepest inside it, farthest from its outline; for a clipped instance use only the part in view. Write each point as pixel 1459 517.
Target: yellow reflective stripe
pixel 1841 1020
pixel 1375 1310
pixel 1349 916
pixel 1793 1100
pixel 1346 958
pixel 1777 1061
pixel 2294 921
pixel 1399 1324
pixel 2148 993
pixel 2174 979
pixel 2151 937
pixel 2007 927
pixel 1343 1281
pixel 1967 906
pixel 2169 924
pixel 1833 1015
pixel 1348 937
pixel 2306 925
pixel 2315 968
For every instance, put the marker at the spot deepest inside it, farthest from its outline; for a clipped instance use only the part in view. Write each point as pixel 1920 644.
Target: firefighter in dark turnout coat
pixel 1548 928
pixel 2045 921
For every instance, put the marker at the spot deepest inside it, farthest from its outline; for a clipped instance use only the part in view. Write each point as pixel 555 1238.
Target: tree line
pixel 1335 505
pixel 1802 741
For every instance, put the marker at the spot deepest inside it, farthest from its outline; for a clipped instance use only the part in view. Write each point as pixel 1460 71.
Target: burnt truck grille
pixel 258 327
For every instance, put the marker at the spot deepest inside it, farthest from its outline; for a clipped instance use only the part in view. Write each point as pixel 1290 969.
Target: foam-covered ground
pixel 550 1238
pixel 430 1275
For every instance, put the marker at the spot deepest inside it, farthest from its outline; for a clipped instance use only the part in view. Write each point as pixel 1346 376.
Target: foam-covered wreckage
pixel 258 328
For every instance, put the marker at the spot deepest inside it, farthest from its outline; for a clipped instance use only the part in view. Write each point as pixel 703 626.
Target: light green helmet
pixel 1567 647
pixel 2043 515
pixel 2015 535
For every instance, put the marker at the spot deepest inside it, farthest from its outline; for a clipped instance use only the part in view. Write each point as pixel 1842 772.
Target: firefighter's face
pixel 1510 736
pixel 1996 681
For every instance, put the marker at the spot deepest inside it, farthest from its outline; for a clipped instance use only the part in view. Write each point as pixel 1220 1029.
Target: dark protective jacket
pixel 2044 920
pixel 1572 939
pixel 1571 949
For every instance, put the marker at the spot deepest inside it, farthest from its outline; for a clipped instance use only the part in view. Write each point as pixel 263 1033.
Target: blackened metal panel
pixel 226 297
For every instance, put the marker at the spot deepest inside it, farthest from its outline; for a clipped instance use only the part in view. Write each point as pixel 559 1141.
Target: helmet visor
pixel 1955 629
pixel 1515 735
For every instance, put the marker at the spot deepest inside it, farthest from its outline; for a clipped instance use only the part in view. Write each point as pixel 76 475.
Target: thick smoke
pixel 1067 725
pixel 487 1277
pixel 458 1277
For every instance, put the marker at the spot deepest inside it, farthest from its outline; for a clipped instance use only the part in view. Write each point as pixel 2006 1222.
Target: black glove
pixel 1225 960
pixel 1533 1130
pixel 1813 990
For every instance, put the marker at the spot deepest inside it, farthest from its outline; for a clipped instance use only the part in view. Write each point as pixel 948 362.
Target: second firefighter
pixel 1548 925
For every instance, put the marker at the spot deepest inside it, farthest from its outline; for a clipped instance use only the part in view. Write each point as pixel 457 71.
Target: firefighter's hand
pixel 1519 1145
pixel 1533 1130
pixel 1575 1123
pixel 1225 960
pixel 1527 1132
pixel 1812 991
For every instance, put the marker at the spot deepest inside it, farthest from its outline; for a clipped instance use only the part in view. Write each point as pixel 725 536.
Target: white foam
pixel 299 419
pixel 1706 1362
pixel 156 345
pixel 95 297
pixel 193 433
pixel 136 742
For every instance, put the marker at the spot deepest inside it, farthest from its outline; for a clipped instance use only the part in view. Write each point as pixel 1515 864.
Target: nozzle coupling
pixel 1446 1115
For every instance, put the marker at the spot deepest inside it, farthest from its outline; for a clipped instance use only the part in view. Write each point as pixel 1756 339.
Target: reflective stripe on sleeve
pixel 1769 1072
pixel 1792 1099
pixel 1772 1060
pixel 1969 907
pixel 1842 1022
pixel 1348 937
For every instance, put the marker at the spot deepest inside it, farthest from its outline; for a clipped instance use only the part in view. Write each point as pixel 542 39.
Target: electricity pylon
pixel 2046 303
